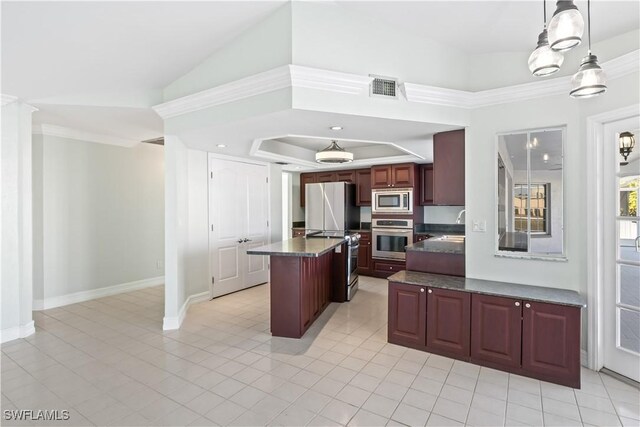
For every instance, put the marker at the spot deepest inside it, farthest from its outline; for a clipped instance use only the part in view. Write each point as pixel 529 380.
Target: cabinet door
pixel 402 175
pixel 381 176
pixel 305 178
pixel 346 176
pixel 326 177
pixel 364 254
pixel 363 190
pixel 448 322
pixel 448 168
pixel 551 342
pixel 496 329
pixel 407 310
pixel 426 184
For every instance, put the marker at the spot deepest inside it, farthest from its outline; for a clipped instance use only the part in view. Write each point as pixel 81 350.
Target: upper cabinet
pixel 426 184
pixel 448 168
pixel 400 175
pixel 363 187
pixel 360 177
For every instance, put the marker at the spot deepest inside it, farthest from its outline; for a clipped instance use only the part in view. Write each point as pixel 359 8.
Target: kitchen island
pixel 301 280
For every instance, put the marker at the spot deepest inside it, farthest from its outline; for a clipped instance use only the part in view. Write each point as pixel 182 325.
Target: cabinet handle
pixel 527 305
pixel 421 289
pixel 517 304
pixel 430 291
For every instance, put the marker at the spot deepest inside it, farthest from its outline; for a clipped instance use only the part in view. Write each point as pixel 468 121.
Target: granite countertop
pixel 489 287
pixel 440 246
pixel 298 247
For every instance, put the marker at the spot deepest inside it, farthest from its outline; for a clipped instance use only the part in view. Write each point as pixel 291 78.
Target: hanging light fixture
pixel 626 142
pixel 334 154
pixel 590 80
pixel 544 61
pixel 566 26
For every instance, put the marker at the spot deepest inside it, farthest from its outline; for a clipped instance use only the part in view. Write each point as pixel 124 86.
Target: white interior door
pixel 622 266
pixel 238 212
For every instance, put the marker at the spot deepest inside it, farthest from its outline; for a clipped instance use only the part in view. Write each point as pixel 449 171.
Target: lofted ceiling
pixel 97 66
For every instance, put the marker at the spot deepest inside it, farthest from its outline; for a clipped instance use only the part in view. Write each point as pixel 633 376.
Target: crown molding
pixel 79 135
pixel 614 68
pixel 7 99
pixel 257 84
pixel 332 81
pixel 296 76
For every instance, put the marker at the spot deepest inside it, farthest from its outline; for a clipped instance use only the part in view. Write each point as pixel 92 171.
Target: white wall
pixel 99 217
pixel 16 248
pixel 275 201
pixel 297 212
pixel 442 214
pixel 198 276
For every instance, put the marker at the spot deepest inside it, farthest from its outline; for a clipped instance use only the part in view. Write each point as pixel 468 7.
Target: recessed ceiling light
pixel 221 145
pixel 336 128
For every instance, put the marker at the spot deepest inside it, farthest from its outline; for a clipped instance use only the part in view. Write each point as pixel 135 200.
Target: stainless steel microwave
pixel 396 201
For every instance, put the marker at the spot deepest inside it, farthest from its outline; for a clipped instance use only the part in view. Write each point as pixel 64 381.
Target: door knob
pixel 517 304
pixel 527 305
pixel 246 240
pixel 430 291
pixel 421 289
pixel 239 240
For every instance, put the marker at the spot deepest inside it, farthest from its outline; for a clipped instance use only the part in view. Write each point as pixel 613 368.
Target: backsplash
pixel 442 214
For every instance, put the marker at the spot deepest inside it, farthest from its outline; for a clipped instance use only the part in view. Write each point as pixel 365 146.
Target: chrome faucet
pixel 460 216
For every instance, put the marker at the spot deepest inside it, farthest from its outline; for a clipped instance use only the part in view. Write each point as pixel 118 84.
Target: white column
pixel 16 224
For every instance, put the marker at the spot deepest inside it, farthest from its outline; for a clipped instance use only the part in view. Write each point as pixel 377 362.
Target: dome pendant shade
pixel 566 26
pixel 334 154
pixel 590 80
pixel 544 61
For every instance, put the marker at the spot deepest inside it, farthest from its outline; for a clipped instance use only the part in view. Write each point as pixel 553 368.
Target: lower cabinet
pixel 364 254
pixel 407 315
pixel 496 330
pixel 448 323
pixel 385 268
pixel 535 339
pixel 551 342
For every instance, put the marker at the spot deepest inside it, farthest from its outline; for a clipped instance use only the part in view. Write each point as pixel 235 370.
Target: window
pixel 535 202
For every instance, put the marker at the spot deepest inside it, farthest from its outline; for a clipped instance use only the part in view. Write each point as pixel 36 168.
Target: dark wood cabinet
pixel 496 330
pixel 407 315
pixel 385 268
pixel 436 262
pixel 419 237
pixel 305 178
pixel 448 168
pixel 551 342
pixel 346 176
pixel 426 185
pixel 298 232
pixel 364 254
pixel 326 177
pixel 363 184
pixel 448 322
pixel 400 175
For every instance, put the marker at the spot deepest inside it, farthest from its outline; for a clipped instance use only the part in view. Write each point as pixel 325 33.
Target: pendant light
pixel 566 26
pixel 334 154
pixel 544 61
pixel 590 80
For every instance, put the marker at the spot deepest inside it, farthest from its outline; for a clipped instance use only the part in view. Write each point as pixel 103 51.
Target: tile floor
pixel 109 363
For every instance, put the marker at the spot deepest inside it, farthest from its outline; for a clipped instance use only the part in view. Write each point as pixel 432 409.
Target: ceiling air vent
pixel 383 86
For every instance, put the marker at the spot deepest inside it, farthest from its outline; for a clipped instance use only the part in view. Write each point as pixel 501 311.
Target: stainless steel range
pixel 351 259
pixel 390 237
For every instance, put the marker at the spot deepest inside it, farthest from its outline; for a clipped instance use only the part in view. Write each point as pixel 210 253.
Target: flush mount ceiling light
pixel 544 61
pixel 566 26
pixel 626 143
pixel 590 80
pixel 336 128
pixel 334 154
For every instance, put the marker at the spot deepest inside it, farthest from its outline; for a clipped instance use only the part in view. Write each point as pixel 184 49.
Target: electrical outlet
pixel 159 265
pixel 479 226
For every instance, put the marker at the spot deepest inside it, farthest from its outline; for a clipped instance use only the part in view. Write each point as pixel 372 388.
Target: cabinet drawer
pixel 387 266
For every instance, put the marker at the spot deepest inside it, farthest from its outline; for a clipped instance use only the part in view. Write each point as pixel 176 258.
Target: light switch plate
pixel 479 226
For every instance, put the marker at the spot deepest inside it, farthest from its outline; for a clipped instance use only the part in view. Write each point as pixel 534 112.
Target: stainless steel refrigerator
pixel 331 206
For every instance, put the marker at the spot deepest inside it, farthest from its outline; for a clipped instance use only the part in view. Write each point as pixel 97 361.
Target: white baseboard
pixel 174 322
pixel 82 296
pixel 16 332
pixel 584 359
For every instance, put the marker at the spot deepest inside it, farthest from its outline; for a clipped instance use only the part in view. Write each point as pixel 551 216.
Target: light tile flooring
pixel 109 363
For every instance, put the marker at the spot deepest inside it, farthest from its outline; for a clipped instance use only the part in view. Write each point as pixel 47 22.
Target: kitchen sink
pixel 452 238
